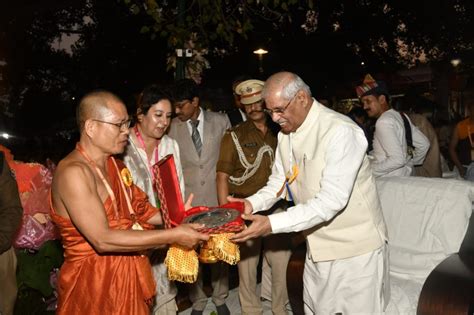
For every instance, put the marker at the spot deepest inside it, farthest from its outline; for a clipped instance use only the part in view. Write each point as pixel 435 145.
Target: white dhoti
pixel 355 285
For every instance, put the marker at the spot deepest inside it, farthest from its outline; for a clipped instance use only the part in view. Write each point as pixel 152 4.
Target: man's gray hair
pixel 295 84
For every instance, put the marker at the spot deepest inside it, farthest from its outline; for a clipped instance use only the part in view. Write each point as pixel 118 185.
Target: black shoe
pixel 222 310
pixel 196 312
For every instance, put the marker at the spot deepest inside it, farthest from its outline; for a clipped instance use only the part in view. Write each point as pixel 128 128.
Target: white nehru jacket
pixel 335 194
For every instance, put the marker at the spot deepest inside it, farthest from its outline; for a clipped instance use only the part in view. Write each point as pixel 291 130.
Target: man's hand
pixel 260 227
pixel 187 235
pixel 188 204
pixel 248 209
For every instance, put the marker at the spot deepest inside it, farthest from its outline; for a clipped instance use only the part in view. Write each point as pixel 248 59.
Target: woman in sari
pixel 148 144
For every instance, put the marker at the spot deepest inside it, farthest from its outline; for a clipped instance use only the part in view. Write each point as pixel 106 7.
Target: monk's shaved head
pixel 95 105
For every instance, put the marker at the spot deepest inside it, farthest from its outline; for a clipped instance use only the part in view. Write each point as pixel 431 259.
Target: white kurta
pixel 390 146
pixel 136 160
pixel 343 162
pixel 334 187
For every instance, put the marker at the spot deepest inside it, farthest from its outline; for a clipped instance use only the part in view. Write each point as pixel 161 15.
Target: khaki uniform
pixel 276 247
pixel 251 140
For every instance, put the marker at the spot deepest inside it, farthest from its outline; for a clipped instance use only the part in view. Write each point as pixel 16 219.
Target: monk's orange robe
pixel 114 283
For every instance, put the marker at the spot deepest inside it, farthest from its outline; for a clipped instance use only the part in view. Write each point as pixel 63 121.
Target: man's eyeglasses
pixel 122 126
pixel 279 111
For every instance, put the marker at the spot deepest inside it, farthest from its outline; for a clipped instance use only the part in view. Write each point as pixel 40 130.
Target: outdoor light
pixel 362 63
pixel 260 52
pixel 455 62
pixel 5 135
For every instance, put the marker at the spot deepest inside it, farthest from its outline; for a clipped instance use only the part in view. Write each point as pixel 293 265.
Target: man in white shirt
pixel 320 164
pixel 393 154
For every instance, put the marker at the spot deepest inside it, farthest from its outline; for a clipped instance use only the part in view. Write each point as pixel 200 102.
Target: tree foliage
pixel 57 52
pixel 406 31
pixel 217 23
pixel 208 27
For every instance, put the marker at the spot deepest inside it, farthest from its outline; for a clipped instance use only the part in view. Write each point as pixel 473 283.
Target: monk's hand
pixel 248 208
pixel 188 204
pixel 260 226
pixel 187 235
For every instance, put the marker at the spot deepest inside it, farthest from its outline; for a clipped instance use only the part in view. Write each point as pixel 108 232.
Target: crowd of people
pixel 295 164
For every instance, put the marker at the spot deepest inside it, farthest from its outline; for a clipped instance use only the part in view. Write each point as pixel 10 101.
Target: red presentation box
pixel 176 212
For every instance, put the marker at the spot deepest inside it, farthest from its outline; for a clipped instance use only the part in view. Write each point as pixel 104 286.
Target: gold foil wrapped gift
pixel 222 248
pixel 183 264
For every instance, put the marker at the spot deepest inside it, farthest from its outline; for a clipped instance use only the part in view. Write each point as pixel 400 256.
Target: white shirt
pixel 390 157
pixel 243 114
pixel 343 160
pixel 200 127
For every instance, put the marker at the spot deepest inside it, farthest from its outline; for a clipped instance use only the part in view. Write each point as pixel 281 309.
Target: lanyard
pixel 293 169
pixel 290 175
pixel 142 144
pixel 106 183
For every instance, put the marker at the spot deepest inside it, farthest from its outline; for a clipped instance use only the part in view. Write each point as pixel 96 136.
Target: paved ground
pixel 233 305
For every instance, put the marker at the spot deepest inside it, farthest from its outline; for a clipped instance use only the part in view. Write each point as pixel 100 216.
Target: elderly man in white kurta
pixel 321 164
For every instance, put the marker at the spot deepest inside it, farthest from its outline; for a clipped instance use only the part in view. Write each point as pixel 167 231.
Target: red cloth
pixel 28 175
pixel 167 186
pixel 92 283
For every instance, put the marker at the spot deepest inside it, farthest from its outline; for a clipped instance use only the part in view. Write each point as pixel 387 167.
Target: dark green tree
pixel 393 30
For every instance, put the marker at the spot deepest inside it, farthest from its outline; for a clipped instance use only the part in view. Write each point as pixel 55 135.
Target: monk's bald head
pixel 95 105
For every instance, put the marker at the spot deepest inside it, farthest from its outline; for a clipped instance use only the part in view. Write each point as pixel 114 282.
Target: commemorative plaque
pixel 213 218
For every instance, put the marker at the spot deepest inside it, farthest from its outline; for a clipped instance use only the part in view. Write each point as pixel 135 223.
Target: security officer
pixel 245 162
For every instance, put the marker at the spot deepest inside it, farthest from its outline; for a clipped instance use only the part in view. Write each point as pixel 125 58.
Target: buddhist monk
pixel 105 220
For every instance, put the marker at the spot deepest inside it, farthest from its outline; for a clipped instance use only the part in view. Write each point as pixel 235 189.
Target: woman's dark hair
pixel 151 95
